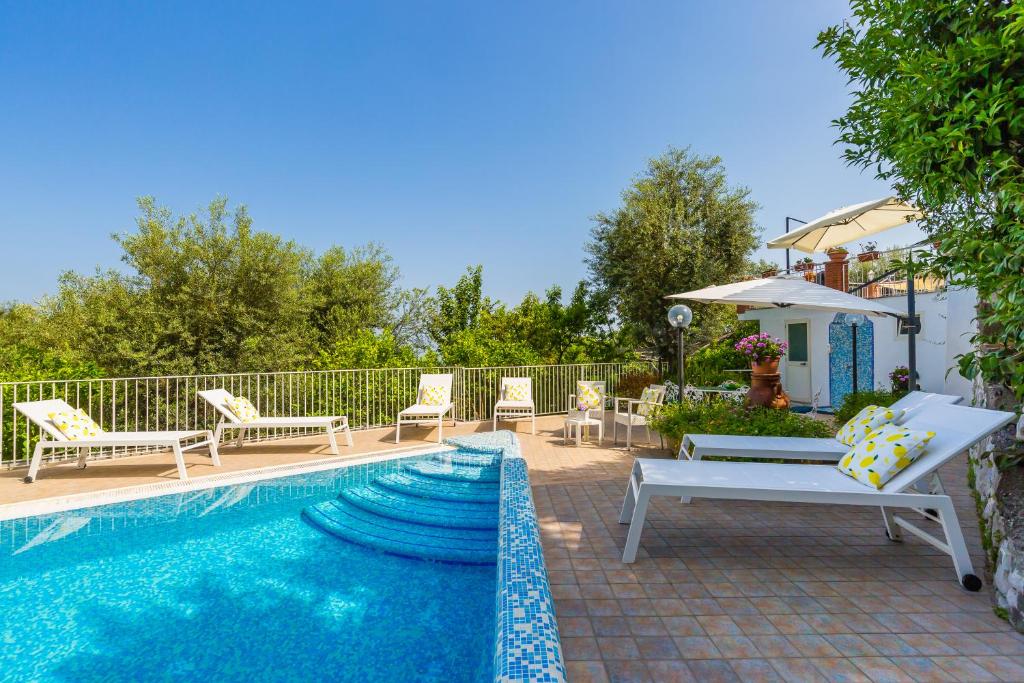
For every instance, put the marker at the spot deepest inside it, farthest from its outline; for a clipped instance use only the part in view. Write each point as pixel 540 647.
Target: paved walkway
pixel 721 591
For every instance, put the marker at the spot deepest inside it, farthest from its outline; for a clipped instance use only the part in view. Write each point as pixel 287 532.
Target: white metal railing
pixel 369 397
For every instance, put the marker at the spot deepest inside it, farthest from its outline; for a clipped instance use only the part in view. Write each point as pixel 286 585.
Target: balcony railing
pixel 369 397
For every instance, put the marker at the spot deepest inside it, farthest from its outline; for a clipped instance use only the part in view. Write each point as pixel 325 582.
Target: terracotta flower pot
pixel 838 256
pixel 768 366
pixel 866 256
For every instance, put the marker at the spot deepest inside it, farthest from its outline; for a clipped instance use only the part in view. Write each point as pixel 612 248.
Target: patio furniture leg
pixel 179 459
pixel 629 500
pixel 494 427
pixel 241 437
pixel 331 440
pixel 398 429
pixel 440 428
pixel 219 431
pixel 37 459
pixel 691 455
pixel 214 453
pixel 629 437
pixel 892 529
pixel 957 544
pixel 636 526
pixel 615 433
pixel 348 434
pixel 83 453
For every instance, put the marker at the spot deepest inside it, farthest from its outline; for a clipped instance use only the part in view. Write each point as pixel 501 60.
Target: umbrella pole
pixel 911 325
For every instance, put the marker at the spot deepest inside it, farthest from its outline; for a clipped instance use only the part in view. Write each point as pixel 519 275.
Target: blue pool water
pixel 235 584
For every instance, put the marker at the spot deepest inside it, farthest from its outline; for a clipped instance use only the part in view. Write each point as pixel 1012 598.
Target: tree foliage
pixel 937 110
pixel 681 226
pixel 208 293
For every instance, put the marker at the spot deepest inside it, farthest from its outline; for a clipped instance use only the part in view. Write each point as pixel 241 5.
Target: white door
pixel 798 360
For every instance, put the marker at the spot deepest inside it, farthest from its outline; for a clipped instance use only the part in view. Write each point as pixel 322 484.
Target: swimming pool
pixel 231 583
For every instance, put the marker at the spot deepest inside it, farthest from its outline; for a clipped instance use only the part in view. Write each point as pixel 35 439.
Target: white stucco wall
pixel 947 323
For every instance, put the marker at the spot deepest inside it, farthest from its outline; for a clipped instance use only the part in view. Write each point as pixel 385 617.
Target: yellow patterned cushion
pixel 883 454
pixel 432 395
pixel 243 409
pixel 647 396
pixel 75 424
pixel 517 391
pixel 867 420
pixel 587 395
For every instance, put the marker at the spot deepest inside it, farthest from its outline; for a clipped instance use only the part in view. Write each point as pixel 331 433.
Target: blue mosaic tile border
pixel 527 647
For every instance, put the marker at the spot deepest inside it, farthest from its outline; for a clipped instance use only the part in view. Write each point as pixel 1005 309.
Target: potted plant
pixel 837 253
pixel 770 272
pixel 900 379
pixel 806 263
pixel 868 252
pixel 763 351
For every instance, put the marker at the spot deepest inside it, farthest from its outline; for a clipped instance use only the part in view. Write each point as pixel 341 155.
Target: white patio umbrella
pixel 848 224
pixel 854 222
pixel 785 292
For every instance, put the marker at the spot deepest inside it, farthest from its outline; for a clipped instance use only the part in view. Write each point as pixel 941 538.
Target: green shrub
pixel 706 367
pixel 854 402
pixel 725 417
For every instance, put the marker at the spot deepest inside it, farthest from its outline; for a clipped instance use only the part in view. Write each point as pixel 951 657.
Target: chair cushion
pixel 867 420
pixel 587 395
pixel 517 391
pixel 883 454
pixel 243 409
pixel 75 424
pixel 431 395
pixel 647 397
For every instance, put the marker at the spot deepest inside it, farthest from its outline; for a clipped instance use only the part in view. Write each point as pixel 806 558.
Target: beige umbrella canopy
pixel 848 224
pixel 784 292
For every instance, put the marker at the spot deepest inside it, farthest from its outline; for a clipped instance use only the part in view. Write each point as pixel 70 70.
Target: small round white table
pixel 578 423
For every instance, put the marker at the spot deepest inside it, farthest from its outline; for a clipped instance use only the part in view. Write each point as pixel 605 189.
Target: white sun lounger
pixel 220 398
pixel 418 412
pixel 178 441
pixel 696 446
pixel 957 428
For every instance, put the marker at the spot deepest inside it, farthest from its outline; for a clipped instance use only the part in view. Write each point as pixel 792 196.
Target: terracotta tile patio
pixel 721 591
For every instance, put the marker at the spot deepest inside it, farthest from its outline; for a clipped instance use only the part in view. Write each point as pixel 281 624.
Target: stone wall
pixel 1000 536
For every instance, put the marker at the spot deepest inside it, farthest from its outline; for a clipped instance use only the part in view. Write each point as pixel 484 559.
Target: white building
pixel 819 363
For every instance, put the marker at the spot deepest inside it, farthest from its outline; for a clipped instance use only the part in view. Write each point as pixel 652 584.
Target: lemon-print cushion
pixel 884 453
pixel 587 395
pixel 868 419
pixel 647 397
pixel 517 391
pixel 243 409
pixel 432 395
pixel 75 424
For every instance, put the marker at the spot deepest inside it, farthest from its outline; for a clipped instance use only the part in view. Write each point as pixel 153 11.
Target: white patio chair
pixel 956 428
pixel 221 399
pixel 421 412
pixel 595 413
pixel 38 412
pixel 636 414
pixel 510 407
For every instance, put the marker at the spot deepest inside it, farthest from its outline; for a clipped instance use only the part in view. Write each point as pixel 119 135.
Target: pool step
pixel 345 520
pixel 415 484
pixel 453 472
pixel 472 459
pixel 387 502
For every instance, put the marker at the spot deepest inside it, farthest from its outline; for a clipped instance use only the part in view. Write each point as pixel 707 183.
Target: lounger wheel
pixel 889 536
pixel 971 583
pixel 29 480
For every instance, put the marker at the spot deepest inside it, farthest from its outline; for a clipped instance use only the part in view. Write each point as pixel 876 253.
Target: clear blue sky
pixel 452 133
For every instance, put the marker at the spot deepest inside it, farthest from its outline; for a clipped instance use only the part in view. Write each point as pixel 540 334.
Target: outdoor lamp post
pixel 680 316
pixel 855 319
